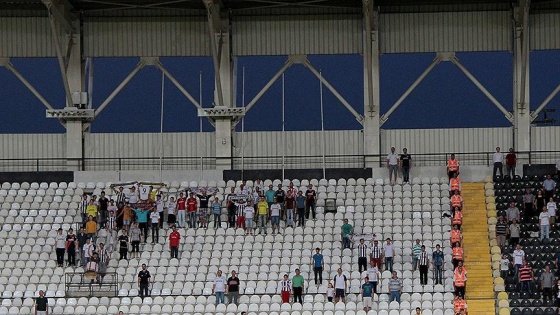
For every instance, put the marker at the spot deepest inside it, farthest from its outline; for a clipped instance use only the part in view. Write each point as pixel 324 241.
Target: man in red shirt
pixel 192 204
pixel 181 206
pixel 174 240
pixel 511 162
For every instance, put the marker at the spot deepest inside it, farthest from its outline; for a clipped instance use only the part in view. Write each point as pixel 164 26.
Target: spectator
pixel 460 280
pixel 513 213
pixel 504 266
pixel 103 208
pixel 123 245
pixel 103 262
pixel 395 287
pixel 363 250
pixel 275 213
pixel 127 216
pixel 298 285
pixel 87 251
pixel 240 208
pixel 60 242
pixel 259 184
pixel 232 288
pixel 91 229
pixel 91 210
pixel 217 211
pixel 203 200
pixel 71 243
pixel 135 238
pixel 181 210
pixel 518 258
pixel 144 278
pixel 142 222
pixel 525 277
pixel 346 231
pixel 437 262
pixel 374 275
pixel 81 238
pixel 551 209
pixel 285 288
pixel 330 292
pixel 392 165
pixel 219 287
pixel 84 203
pixel 269 195
pixel 154 220
pixel 262 210
pixel 249 216
pixel 231 211
pixel 41 304
pixel 454 184
pixel 540 202
pixel 172 212
pixel 340 286
pixel 418 311
pixel 547 282
pixel 501 231
pixel 160 207
pixel 423 262
pixel 291 195
pixel 310 202
pixel 548 185
pixel 457 254
pixel 456 200
pixel 456 235
pixel 318 265
pixel 376 254
pixel 174 241
pixel 300 204
pixel 367 293
pixel 511 163
pixel 132 196
pixel 111 220
pixel 528 202
pixel 92 267
pixel 280 198
pixel 544 223
pixel 388 254
pixel 514 233
pixel 452 166
pixel 120 195
pixel 405 162
pixel 415 253
pixel 498 159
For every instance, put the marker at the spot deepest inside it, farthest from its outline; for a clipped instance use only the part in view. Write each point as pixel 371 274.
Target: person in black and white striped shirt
pixel 363 250
pixel 104 257
pixel 83 206
pixel 424 262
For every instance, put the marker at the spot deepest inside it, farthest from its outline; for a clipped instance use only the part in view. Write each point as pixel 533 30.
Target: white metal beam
pixel 370 26
pixel 549 98
pixel 213 10
pixel 523 25
pixel 63 13
pixel 178 85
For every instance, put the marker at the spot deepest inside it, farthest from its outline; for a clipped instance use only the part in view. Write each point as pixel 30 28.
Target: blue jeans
pixel 396 296
pixel 438 274
pixel 525 286
pixel 345 242
pixel 414 262
pixel 220 298
pixel 192 219
pixel 389 263
pixel 262 223
pixel 290 217
pixel 516 270
pixel 545 229
pixel 181 218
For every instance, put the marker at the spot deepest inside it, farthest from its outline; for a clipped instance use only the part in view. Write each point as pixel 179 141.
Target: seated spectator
pixel 501 231
pixel 514 233
pixel 513 213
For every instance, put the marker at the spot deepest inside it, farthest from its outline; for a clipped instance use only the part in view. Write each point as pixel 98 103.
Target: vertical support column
pixel 521 106
pixel 372 135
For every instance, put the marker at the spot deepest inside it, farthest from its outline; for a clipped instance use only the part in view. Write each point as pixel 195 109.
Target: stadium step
pixel 480 288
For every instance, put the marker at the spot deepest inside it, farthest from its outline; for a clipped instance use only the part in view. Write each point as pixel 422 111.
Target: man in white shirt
pixel 249 214
pixel 388 253
pixel 392 165
pixel 544 222
pixel 275 210
pixel 160 204
pixel 518 257
pixel 340 286
pixel 219 287
pixel 374 275
pixel 498 159
pixel 551 207
pixel 154 220
pixel 60 247
pixel 87 250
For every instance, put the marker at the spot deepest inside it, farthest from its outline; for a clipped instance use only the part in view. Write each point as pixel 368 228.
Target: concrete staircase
pixel 480 289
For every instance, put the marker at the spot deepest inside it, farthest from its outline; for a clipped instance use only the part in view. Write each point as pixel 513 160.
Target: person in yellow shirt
pixel 262 211
pixel 91 210
pixel 91 229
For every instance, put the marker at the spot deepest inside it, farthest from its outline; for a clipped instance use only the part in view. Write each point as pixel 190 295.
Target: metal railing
pixel 78 285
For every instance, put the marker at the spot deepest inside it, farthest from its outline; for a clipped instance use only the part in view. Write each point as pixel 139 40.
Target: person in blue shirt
pixel 318 265
pixel 142 219
pixel 437 261
pixel 270 194
pixel 367 294
pixel 300 204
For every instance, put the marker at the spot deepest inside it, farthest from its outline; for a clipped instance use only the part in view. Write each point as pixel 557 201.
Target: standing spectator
pixel 501 231
pixel 452 166
pixel 405 162
pixel 415 253
pixel 160 206
pixel 120 195
pixel 142 221
pixel 528 202
pixel 71 241
pixel 103 263
pixel 91 229
pixel 504 266
pixel 275 213
pixel 318 265
pixel 240 208
pixel 217 211
pixel 87 251
pixel 132 196
pixel 60 242
pixel 280 197
pixel 111 220
pixel 144 278
pixel 300 204
pixel 457 254
pixel 547 283
pixel 203 200
pixel 388 253
pixel 248 216
pixel 454 184
pixel 285 288
pixel 392 165
pixel 41 304
pixel 518 258
pixel 374 275
pixel 346 230
pixel 262 210
pixel 525 277
pixel 340 286
pixel 551 209
pixel 232 288
pixel 298 284
pixel 460 280
pixel 540 202
pixel 103 208
pixel 127 216
pixel 174 240
pixel 172 212
pixel 310 202
pixel 498 159
pixel 511 163
pixel 514 233
pixel 84 203
pixel 376 254
pixel 81 238
pixel 269 195
pixel 135 238
pixel 123 245
pixel 181 210
pixel 437 262
pixel 395 287
pixel 291 195
pixel 544 222
pixel 513 213
pixel 91 210
pixel 548 185
pixel 231 209
pixel 423 263
pixel 367 294
pixel 330 292
pixel 154 219
pixel 219 287
pixel 363 249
